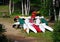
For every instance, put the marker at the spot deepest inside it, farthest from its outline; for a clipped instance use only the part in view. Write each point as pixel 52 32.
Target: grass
pixel 4 8
pixel 47 34
pixel 43 37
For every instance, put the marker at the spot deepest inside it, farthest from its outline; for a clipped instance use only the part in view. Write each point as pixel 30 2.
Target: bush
pixel 56 33
pixel 3 37
pixel 2 28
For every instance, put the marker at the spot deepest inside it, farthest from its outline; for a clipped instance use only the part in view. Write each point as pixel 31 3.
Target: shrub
pixel 56 33
pixel 1 28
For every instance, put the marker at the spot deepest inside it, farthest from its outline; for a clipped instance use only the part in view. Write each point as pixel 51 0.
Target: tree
pixel 3 37
pixel 52 11
pixel 45 7
pixel 28 6
pixel 25 7
pixel 59 16
pixel 22 8
pixel 10 7
pixel 57 9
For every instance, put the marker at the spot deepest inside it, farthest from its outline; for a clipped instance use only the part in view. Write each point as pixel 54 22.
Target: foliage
pixel 42 5
pixel 56 34
pixel 16 13
pixel 45 7
pixel 3 38
pixel 15 1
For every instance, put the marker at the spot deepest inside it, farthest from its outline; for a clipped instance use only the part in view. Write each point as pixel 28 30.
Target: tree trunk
pixel 25 8
pixel 49 13
pixel 54 10
pixel 28 6
pixel 55 15
pixel 13 7
pixel 59 16
pixel 22 8
pixel 57 9
pixel 52 18
pixel 10 7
